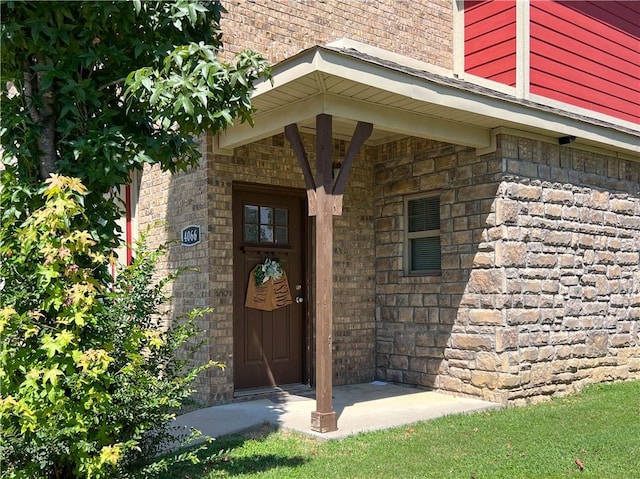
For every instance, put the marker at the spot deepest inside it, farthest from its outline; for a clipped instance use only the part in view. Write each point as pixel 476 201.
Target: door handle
pixel 299 299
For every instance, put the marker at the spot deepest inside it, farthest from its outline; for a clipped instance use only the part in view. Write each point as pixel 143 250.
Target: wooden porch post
pixel 325 201
pixel 324 419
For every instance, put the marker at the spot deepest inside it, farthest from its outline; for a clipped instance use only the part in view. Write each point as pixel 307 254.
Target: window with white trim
pixel 422 235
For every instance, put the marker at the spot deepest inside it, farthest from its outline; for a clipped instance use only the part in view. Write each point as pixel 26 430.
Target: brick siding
pixel 203 196
pixel 540 286
pixel 279 29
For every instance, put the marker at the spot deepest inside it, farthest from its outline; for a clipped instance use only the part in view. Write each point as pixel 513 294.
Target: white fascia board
pixel 512 113
pixel 407 123
pixel 388 119
pixel 298 66
pixel 320 60
pixel 271 123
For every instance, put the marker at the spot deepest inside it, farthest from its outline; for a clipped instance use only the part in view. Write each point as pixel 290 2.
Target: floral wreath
pixel 270 269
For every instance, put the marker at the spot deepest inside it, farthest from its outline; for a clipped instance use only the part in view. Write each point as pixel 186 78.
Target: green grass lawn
pixel 598 429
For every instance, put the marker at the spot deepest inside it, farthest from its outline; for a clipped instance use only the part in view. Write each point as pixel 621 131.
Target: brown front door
pixel 268 345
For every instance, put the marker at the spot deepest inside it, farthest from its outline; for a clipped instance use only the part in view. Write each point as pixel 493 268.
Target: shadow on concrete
pixel 360 407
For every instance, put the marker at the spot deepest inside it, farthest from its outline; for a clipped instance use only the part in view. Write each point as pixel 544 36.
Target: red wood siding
pixel 587 54
pixel 490 40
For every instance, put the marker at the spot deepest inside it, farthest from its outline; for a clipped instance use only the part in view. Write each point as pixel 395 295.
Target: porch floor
pixel 360 407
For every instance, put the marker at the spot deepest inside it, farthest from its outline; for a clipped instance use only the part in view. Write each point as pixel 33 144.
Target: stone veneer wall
pixel 562 254
pixel 203 196
pixel 416 315
pixel 540 288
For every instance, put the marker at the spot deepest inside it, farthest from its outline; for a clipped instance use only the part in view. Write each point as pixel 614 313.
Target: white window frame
pixel 409 236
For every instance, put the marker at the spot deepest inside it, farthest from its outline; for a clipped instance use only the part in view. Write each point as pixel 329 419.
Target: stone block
pixel 546 353
pixel 522 316
pixel 463 374
pixel 404 345
pixel 559 238
pixel 487 361
pixel 512 254
pixel 507 211
pixel 405 315
pixel 433 181
pixel 629 258
pixel 403 186
pixel 471 342
pixel 384 347
pixel 484 379
pixel 621 341
pixel 553 211
pixel 448 383
pixel 423 167
pixel 524 192
pixel 622 206
pixel 483 260
pixel 528 354
pixel 542 260
pixel 597 200
pixel 508 381
pixel 485 316
pixel 597 343
pixel 422 352
pixel 541 373
pixel 411 377
pixel 418 365
pixel 398 362
pixel 571 213
pixel 557 196
pixel 506 339
pixel 487 281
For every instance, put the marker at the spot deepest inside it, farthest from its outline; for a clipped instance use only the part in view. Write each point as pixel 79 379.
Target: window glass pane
pixel 251 232
pixel 282 234
pixel 266 215
pixel 282 217
pixel 251 214
pixel 424 214
pixel 266 234
pixel 425 254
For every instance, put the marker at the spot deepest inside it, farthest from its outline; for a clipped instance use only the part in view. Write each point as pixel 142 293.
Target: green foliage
pixel 64 66
pixel 598 427
pixel 193 89
pixel 88 372
pixel 269 269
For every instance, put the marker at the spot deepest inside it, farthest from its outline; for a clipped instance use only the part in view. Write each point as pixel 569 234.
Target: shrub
pixel 88 371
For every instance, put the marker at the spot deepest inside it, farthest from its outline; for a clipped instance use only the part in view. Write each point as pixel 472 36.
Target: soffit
pixel 405 101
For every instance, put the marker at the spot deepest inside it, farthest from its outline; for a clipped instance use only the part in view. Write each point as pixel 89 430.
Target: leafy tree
pixel 91 91
pixel 96 89
pixel 88 376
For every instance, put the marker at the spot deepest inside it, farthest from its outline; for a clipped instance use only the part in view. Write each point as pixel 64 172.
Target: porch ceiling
pixel 402 100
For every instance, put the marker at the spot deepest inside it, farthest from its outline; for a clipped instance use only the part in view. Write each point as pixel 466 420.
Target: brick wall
pixel 167 205
pixel 204 195
pixel 280 29
pixel 540 286
pixel 420 29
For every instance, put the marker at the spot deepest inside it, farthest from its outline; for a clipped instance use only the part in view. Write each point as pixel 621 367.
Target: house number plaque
pixel 191 235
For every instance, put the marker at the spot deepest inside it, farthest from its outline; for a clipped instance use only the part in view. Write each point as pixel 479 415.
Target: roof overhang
pixel 402 100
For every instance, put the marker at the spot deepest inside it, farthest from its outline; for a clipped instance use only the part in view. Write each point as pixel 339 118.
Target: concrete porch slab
pixel 360 407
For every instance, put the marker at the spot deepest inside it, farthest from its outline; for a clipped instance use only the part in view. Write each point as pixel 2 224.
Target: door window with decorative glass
pixel 266 224
pixel 422 235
